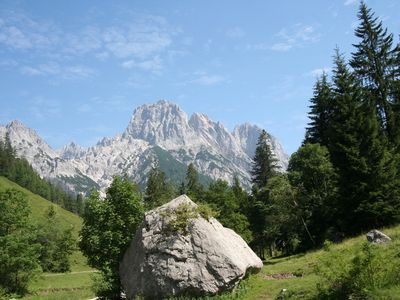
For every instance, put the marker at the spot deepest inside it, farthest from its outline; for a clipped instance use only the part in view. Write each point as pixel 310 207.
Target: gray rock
pixel 377 237
pixel 205 259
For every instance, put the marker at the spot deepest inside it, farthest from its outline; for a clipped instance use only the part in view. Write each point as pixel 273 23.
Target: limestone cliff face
pixel 205 259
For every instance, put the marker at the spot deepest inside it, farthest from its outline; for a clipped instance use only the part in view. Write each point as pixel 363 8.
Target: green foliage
pixel 264 163
pixel 108 227
pixel 158 189
pixel 194 189
pixel 375 63
pixel 221 197
pixel 320 114
pixel 57 244
pixel 18 250
pixel 281 215
pixel 206 211
pixel 177 219
pixel 313 179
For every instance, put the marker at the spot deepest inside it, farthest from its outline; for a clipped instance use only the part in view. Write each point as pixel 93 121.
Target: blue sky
pixel 75 70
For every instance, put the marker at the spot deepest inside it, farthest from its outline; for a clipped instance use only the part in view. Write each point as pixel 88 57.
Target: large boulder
pixel 177 251
pixel 377 237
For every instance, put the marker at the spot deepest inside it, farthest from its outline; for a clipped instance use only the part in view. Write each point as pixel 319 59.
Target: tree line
pixel 20 171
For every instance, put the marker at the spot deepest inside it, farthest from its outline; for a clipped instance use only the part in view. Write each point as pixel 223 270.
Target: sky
pixel 76 70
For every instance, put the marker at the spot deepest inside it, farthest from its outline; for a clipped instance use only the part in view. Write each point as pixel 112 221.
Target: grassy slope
pixel 261 286
pixel 74 285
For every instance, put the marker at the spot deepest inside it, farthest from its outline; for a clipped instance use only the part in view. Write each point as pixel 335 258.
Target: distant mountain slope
pixel 39 205
pixel 159 133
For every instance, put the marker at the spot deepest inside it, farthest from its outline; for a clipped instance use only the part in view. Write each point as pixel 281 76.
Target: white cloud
pixel 282 46
pixel 55 69
pixel 235 32
pixel 153 65
pixel 350 2
pixel 295 36
pixel 319 71
pixel 208 80
pixel 142 42
pixel 20 32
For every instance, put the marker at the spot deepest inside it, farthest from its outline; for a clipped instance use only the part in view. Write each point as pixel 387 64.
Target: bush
pixel 178 219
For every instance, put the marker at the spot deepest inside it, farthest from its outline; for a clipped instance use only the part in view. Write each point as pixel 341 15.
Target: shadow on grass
pixel 281 258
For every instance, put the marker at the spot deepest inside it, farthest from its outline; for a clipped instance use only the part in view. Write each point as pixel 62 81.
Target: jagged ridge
pixel 155 131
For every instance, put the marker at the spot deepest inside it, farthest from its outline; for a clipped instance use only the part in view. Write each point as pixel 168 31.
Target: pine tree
pixel 221 197
pixel 345 141
pixel 380 203
pixel 158 189
pixel 320 112
pixel 264 162
pixel 263 169
pixel 374 63
pixel 194 189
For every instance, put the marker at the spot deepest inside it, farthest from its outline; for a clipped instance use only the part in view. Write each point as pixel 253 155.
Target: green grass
pixel 73 285
pixel 262 286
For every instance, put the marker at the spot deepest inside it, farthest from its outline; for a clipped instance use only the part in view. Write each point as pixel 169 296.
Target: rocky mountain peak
pixel 159 123
pixel 247 136
pixel 71 151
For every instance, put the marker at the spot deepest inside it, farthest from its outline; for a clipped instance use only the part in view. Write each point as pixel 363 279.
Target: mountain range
pixel 157 134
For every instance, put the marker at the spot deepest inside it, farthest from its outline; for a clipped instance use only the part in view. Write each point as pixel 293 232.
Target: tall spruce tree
pixel 374 63
pixel 380 203
pixel 320 112
pixel 194 189
pixel 158 189
pixel 264 162
pixel 345 137
pixel 263 169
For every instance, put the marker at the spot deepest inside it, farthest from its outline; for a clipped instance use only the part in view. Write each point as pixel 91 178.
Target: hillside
pixel 39 205
pixel 301 274
pixel 73 285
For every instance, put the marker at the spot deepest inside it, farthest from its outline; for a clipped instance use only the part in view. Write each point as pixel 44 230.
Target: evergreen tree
pixel 194 189
pixel 264 162
pixel 313 179
pixel 221 198
pixel 379 203
pixel 158 189
pixel 108 227
pixel 281 215
pixel 242 198
pixel 374 63
pixel 345 133
pixel 320 112
pixel 263 169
